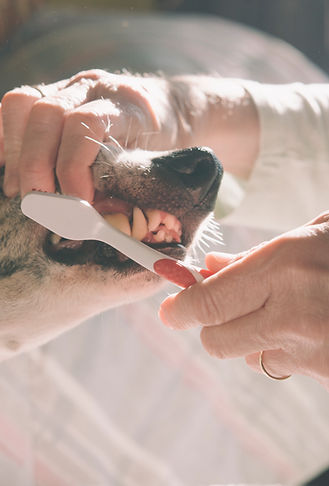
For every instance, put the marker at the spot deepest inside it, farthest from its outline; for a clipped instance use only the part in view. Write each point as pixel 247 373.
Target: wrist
pixel 221 114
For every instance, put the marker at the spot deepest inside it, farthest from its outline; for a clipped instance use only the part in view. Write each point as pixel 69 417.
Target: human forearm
pixel 210 111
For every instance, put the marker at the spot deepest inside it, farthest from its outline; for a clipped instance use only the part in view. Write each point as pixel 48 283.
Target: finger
pixel 321 218
pixel 277 362
pixel 15 107
pixel 242 336
pixel 2 152
pixel 84 131
pixel 42 138
pixel 236 290
pixel 215 261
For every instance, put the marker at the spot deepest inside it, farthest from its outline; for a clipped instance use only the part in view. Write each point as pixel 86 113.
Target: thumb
pixel 234 291
pixel 216 260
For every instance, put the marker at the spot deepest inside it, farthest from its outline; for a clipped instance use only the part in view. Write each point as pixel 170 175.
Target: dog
pixel 49 284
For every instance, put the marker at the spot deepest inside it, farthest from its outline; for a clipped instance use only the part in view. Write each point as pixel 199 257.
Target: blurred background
pixel 148 406
pixel 300 22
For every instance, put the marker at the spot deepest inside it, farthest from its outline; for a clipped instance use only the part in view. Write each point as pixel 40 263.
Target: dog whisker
pixel 204 243
pixel 214 241
pixel 128 132
pixel 101 144
pixel 114 140
pixel 86 126
pixel 136 141
pixel 108 124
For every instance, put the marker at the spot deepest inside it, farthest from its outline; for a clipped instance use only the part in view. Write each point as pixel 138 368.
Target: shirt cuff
pixel 289 183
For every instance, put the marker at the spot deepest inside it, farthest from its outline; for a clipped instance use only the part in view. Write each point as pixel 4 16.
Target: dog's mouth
pixel 159 198
pixel 155 227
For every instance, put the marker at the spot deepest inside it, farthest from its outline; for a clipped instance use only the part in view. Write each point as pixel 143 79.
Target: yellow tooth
pixel 139 226
pixel 170 221
pixel 55 239
pixel 119 221
pixel 154 219
pixel 159 237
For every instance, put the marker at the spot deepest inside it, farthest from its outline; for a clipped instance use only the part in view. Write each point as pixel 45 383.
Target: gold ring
pixel 269 375
pixel 38 88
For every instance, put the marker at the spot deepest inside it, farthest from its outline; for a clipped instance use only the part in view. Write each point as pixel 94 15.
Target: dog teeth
pixel 154 219
pixel 119 221
pixel 139 226
pixel 170 221
pixel 160 236
pixel 159 226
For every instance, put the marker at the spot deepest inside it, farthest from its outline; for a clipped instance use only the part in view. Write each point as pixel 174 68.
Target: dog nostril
pixel 197 167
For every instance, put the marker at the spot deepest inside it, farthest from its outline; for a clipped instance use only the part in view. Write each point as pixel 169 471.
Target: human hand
pixel 273 298
pixel 41 136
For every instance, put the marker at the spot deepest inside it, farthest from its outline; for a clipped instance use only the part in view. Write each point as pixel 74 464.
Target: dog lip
pixel 99 254
pixel 110 204
pixel 73 252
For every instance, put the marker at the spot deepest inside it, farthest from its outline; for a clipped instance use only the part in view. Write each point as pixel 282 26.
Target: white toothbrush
pixel 75 219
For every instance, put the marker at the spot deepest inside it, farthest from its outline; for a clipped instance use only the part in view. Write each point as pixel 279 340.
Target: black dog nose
pixel 197 168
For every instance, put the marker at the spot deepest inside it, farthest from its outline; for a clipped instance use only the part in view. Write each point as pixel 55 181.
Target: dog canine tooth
pixel 154 218
pixel 119 221
pixel 139 225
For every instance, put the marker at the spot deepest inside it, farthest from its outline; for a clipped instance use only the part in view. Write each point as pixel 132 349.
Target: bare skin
pixel 43 135
pixel 273 297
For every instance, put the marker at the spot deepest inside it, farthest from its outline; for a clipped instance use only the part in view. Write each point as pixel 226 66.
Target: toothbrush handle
pixel 178 273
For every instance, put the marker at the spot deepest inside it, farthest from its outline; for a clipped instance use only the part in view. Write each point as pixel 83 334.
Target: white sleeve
pixel 289 184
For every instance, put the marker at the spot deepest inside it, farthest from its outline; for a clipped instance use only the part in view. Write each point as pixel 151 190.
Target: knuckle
pixel 83 120
pixel 34 167
pixel 211 342
pixel 44 110
pixel 321 218
pixel 20 95
pixel 207 306
pixel 87 75
pixel 13 96
pixel 53 103
pixel 67 171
